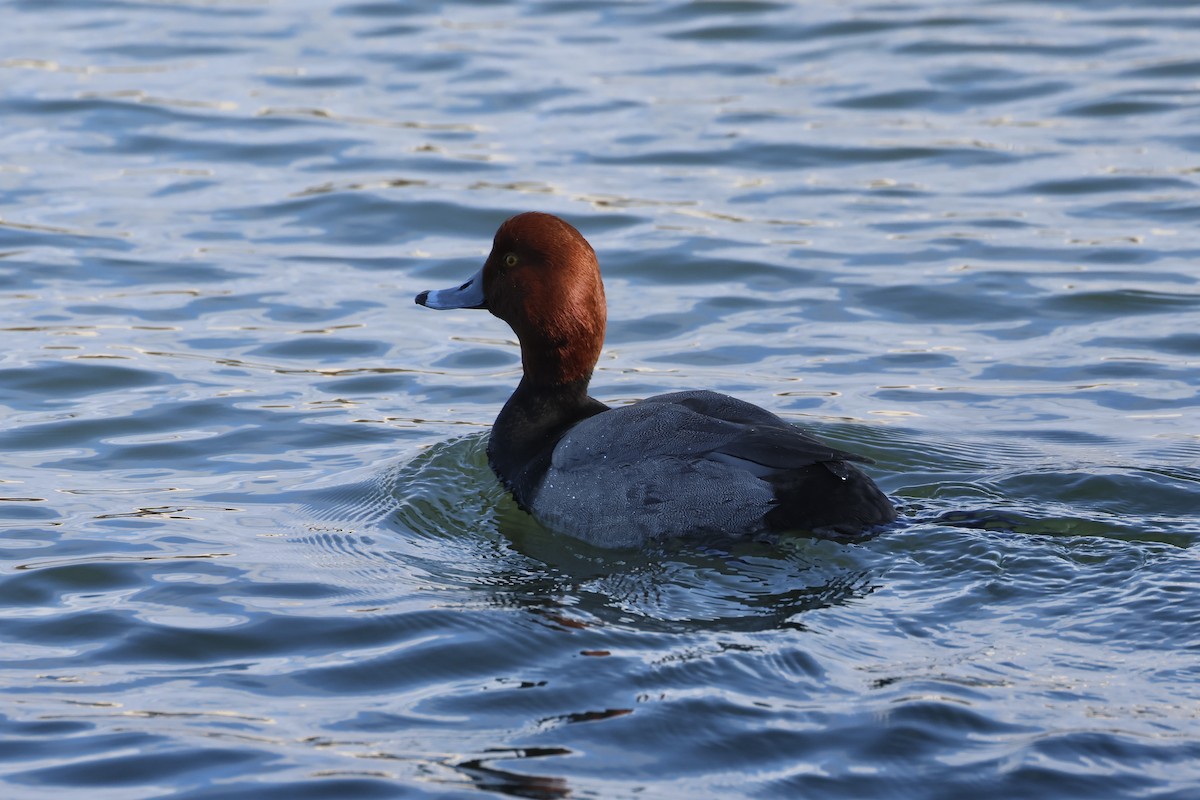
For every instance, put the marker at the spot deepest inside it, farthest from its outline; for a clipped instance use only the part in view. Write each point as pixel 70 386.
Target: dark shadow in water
pixel 1026 524
pixel 492 779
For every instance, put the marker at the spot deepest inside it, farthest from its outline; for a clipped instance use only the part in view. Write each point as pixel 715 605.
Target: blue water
pixel 249 543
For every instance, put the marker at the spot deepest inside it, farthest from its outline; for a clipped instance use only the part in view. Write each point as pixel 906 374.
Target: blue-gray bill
pixel 469 295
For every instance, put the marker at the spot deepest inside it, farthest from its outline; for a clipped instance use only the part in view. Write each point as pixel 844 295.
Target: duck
pixel 687 464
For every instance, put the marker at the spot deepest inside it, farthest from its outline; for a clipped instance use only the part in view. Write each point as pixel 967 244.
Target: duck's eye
pixel 510 260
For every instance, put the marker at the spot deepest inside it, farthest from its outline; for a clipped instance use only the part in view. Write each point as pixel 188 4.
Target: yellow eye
pixel 510 260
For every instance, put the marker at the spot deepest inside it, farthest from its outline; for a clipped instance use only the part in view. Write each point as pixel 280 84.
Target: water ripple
pixel 251 545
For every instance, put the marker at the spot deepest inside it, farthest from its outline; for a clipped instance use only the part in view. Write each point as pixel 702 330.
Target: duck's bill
pixel 469 295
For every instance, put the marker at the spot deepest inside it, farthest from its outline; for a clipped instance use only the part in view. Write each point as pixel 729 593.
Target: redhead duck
pixel 680 464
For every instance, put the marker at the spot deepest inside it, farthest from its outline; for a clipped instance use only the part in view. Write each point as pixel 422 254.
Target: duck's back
pixel 699 462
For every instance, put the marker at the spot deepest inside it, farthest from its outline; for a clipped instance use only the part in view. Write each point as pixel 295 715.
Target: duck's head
pixel 541 278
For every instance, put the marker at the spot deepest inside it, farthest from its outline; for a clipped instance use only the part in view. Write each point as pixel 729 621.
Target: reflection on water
pixel 249 543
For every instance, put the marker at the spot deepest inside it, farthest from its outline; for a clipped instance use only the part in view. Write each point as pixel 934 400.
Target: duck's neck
pixel 530 424
pixel 560 357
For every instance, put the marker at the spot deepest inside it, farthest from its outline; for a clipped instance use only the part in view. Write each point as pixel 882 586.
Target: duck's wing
pixel 756 435
pixel 700 461
pixel 698 425
pixel 814 486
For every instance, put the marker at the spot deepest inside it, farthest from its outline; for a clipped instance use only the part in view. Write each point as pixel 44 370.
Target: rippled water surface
pixel 251 546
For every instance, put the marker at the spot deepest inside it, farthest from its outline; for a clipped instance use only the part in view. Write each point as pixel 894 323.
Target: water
pixel 251 547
